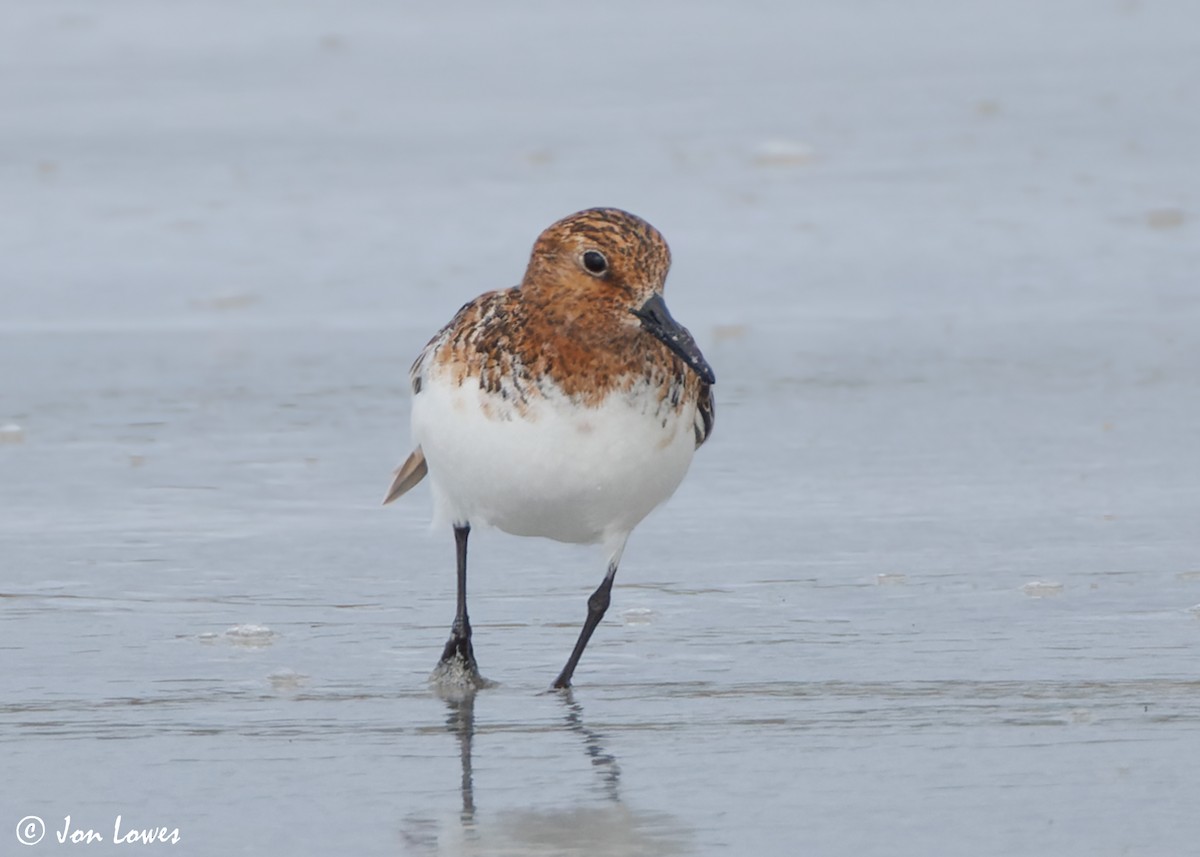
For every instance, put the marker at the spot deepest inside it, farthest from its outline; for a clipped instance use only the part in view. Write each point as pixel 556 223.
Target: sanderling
pixel 566 407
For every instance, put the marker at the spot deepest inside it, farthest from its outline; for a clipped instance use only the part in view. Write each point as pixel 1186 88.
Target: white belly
pixel 561 470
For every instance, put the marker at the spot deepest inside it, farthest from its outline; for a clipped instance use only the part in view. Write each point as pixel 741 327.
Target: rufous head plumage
pixel 600 252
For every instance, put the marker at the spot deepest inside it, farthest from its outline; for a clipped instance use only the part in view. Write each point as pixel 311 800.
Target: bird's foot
pixel 459 647
pixel 457 671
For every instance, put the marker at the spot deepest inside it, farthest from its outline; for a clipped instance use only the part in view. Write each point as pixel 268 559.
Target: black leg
pixel 597 604
pixel 458 647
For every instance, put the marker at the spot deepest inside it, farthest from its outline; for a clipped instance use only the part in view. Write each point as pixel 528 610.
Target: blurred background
pixel 937 572
pixel 358 163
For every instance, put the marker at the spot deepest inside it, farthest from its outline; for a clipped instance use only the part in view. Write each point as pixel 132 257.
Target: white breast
pixel 559 470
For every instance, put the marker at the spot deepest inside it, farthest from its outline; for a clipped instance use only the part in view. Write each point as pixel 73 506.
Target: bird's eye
pixel 595 262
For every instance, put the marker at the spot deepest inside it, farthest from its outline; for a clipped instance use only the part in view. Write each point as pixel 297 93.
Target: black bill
pixel 657 321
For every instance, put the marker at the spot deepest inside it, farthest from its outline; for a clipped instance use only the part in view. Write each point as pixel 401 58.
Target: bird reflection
pixel 603 762
pixel 461 721
pixel 605 829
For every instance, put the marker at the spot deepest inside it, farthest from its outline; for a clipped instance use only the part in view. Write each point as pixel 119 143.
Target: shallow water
pixel 932 587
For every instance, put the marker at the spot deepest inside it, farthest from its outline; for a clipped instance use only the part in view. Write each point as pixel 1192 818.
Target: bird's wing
pixel 706 414
pixel 410 473
pixel 414 469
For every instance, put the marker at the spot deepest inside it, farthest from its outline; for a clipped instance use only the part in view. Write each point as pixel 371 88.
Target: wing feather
pixel 706 414
pixel 410 473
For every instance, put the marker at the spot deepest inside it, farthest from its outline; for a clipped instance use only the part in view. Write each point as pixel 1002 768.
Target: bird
pixel 567 407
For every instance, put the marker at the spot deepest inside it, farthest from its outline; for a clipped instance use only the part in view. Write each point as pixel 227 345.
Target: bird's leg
pixel 458 647
pixel 597 604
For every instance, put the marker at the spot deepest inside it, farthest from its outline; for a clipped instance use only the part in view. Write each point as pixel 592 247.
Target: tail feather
pixel 410 473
